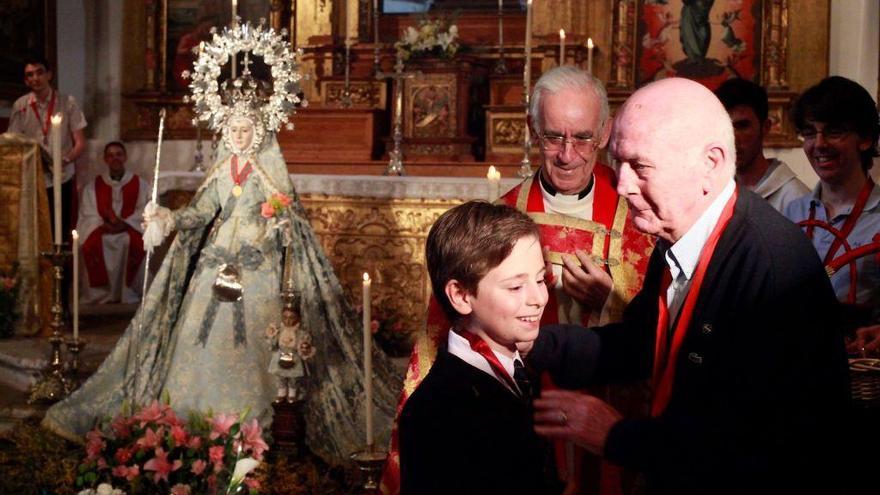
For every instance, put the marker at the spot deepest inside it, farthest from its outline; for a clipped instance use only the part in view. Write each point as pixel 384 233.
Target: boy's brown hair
pixel 468 241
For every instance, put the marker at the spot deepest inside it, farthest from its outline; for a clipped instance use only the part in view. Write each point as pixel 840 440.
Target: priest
pixel 110 224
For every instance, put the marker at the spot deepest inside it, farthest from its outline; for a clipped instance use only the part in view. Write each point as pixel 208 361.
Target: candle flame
pixel 530 3
pixel 74 234
pixel 562 33
pixel 492 172
pixel 590 43
pixel 56 119
pixel 366 277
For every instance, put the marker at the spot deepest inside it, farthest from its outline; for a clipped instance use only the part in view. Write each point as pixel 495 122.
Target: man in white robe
pixel 110 229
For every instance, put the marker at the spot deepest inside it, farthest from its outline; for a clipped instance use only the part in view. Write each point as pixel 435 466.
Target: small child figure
pixel 292 348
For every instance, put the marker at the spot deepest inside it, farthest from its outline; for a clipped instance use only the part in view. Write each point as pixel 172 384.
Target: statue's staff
pixel 149 232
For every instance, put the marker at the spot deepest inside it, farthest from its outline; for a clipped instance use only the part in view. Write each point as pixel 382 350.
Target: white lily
pixel 242 467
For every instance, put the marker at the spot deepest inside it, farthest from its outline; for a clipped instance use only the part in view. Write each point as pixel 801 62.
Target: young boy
pixel 468 427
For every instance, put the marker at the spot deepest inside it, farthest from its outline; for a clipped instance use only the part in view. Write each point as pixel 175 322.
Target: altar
pixel 373 224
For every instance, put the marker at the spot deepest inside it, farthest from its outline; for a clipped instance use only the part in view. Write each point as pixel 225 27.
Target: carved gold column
pixel 623 45
pixel 775 71
pixel 150 6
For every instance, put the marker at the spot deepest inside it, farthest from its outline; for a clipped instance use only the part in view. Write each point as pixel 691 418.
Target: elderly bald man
pixel 735 323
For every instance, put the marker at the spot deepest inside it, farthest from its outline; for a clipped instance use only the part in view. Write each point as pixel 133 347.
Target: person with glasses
pixel 839 124
pixel 772 179
pixel 596 259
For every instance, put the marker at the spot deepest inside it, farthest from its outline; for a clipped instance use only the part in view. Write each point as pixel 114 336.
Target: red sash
pixel 665 356
pixel 833 264
pixel 47 121
pixel 94 243
pixel 482 348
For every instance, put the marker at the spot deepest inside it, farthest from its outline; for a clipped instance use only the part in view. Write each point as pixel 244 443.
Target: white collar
pixel 459 347
pixel 124 180
pixel 682 257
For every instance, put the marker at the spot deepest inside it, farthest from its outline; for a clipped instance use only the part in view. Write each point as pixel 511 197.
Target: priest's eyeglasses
pixel 582 144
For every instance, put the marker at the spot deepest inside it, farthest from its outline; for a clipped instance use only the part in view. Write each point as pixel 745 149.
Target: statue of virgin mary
pixel 199 335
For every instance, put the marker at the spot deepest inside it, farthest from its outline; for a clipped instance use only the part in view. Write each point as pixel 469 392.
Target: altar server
pixel 110 224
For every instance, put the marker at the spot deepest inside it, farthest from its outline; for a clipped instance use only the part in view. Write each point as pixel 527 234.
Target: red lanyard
pixel 664 361
pixel 482 348
pixel 45 125
pixel 239 177
pixel 848 224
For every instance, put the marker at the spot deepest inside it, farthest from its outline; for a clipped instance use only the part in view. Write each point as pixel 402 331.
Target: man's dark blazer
pixel 463 432
pixel 761 382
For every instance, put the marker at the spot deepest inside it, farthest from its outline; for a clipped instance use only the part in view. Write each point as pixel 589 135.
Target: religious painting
pixel 431 100
pixel 705 40
pixel 190 22
pixel 27 28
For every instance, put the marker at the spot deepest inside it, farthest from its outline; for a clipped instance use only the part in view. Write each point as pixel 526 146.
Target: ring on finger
pixel 563 418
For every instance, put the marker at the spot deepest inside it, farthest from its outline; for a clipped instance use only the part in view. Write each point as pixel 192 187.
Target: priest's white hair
pixel 562 78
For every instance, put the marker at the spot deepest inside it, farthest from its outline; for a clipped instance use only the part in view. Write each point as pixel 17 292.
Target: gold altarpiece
pixel 386 234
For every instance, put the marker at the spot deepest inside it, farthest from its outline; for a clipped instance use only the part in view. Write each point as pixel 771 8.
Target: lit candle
pixel 56 173
pixel 590 55
pixel 75 249
pixel 494 178
pixel 562 47
pixel 368 361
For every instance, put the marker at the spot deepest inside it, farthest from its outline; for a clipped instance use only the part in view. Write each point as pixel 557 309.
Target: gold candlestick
pixel 74 347
pixel 53 385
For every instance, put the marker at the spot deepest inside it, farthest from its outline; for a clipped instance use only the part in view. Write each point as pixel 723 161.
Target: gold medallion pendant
pixel 236 190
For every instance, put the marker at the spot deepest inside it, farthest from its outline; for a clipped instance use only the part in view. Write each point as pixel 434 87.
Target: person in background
pixel 109 224
pixel 839 123
pixel 772 179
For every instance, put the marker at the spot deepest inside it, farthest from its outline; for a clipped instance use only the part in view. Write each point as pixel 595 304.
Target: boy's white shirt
pixel 459 347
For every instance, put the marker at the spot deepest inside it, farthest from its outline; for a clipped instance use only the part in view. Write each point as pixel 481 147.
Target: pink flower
pixel 123 455
pixel 282 199
pixel 198 467
pixel 252 483
pixel 151 438
pixel 215 455
pixel 95 444
pixel 252 438
pixel 195 442
pixel 127 472
pixel 120 471
pixel 178 434
pixel 267 210
pixel 180 489
pixel 121 427
pixel 102 463
pixel 221 424
pixel 151 413
pixel 374 326
pixel 170 418
pixel 161 466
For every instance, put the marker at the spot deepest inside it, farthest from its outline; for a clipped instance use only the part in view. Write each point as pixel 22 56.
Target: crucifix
pixel 395 164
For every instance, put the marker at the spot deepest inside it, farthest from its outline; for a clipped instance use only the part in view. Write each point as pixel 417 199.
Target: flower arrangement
pixel 9 285
pixel 275 205
pixel 431 37
pixel 154 451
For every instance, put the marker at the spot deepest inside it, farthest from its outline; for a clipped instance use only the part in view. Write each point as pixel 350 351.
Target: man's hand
pixel 588 284
pixel 575 416
pixel 867 340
